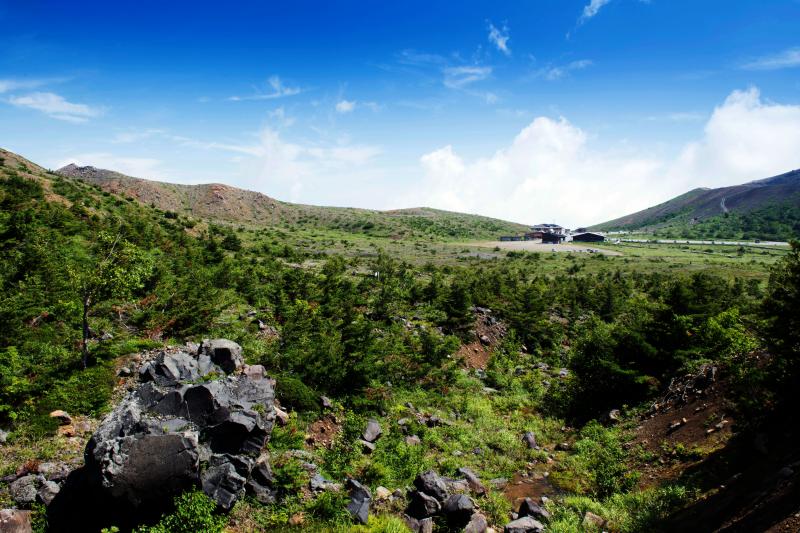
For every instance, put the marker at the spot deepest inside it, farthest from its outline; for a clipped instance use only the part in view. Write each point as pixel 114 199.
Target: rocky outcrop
pixel 195 420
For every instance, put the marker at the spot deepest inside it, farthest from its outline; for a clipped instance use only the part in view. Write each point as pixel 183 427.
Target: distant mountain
pixel 222 203
pixel 761 209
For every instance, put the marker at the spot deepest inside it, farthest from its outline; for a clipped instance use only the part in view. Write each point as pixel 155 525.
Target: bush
pixel 295 394
pixel 194 511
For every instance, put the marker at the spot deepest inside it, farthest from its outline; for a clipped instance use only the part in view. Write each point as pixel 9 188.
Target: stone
pixel 372 431
pixel 124 372
pixel 458 510
pixel 563 373
pixel 412 440
pixel 421 505
pixel 281 416
pixel 360 498
pixel 318 483
pixel 62 416
pixel 326 402
pixel 297 519
pixel 530 440
pixel 222 482
pixel 23 491
pixel 530 508
pixel 47 492
pixel 592 520
pixel 382 493
pixel 54 471
pixel 473 481
pixel 261 482
pixel 426 525
pixel 3 436
pixel 411 522
pixel 477 524
pixel 613 416
pixel 499 483
pixel 224 353
pixel 255 372
pixel 366 446
pixel 15 521
pixel 526 524
pixel 563 446
pixel 430 483
pixel 485 340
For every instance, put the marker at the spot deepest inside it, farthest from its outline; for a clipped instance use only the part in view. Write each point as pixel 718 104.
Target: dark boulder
pixel 224 353
pixel 223 482
pixel 23 490
pixel 430 483
pixel 360 498
pixel 458 510
pixel 528 507
pixel 421 505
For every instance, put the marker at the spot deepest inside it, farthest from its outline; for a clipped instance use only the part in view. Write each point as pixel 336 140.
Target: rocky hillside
pixel 219 202
pixel 764 208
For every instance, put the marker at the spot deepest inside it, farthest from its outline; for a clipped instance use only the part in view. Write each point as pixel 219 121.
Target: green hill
pixel 222 203
pixel 767 209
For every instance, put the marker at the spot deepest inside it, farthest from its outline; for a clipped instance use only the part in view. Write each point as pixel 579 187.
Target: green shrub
pixel 295 394
pixel 194 511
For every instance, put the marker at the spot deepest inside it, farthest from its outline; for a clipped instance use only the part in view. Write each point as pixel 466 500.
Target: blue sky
pixel 549 110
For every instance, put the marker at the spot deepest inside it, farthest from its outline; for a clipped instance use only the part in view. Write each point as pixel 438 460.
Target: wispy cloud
pixel 591 9
pixel 345 106
pixel 557 72
pixel 413 57
pixel 8 85
pixel 500 37
pixel 788 58
pixel 461 77
pixel 55 106
pixel 278 90
pixel 281 117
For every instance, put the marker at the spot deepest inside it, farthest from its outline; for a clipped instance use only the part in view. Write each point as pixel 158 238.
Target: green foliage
pixel 194 511
pixel 293 393
pixel 598 465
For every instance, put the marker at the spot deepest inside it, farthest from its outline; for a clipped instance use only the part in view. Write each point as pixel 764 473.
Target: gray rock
pixel 421 505
pixel 412 440
pixel 47 492
pixel 473 481
pixel 592 520
pixel 477 524
pixel 360 498
pixel 530 508
pixel 529 439
pixel 372 431
pixel 15 521
pixel 3 436
pixel 499 483
pixel 526 524
pixel 326 402
pixel 366 446
pixel 458 510
pixel 170 433
pixel 432 484
pixel 224 353
pixel 261 483
pixel 426 525
pixel 23 490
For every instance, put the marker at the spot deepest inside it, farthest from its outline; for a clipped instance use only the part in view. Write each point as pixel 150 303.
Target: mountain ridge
pixel 765 206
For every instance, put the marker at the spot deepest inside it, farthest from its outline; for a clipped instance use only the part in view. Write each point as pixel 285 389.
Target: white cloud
pixel 500 37
pixel 745 139
pixel 591 9
pixel 788 58
pixel 554 73
pixel 345 106
pixel 139 167
pixel 461 77
pixel 282 117
pixel 8 85
pixel 278 90
pixel 551 171
pixel 56 106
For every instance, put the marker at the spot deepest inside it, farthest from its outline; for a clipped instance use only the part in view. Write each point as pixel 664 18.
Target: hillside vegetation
pixel 467 355
pixel 223 203
pixel 766 209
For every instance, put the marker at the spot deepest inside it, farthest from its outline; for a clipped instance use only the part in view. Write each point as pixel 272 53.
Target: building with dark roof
pixel 588 237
